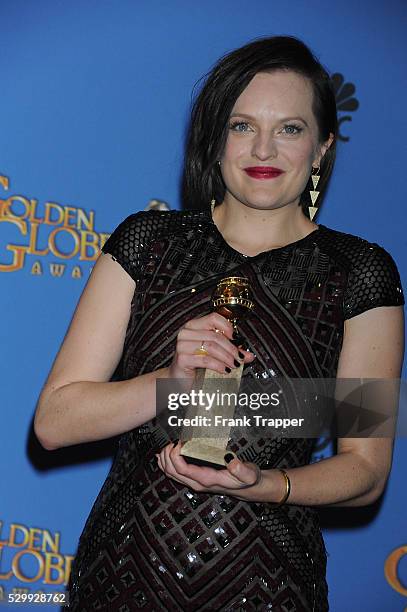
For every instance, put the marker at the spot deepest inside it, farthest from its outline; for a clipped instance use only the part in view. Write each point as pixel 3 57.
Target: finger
pixel 244 472
pixel 159 462
pixel 211 321
pixel 245 355
pixel 182 480
pixel 224 352
pixel 164 455
pixel 181 467
pixel 187 361
pixel 204 476
pixel 171 451
pixel 217 345
pixel 171 471
pixel 164 463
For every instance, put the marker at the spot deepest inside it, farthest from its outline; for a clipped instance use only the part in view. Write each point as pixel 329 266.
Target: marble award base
pixel 206 444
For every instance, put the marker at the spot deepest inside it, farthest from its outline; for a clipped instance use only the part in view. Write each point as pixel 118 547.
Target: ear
pixel 322 149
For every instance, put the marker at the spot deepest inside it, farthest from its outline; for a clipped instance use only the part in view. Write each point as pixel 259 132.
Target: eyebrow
pixel 284 119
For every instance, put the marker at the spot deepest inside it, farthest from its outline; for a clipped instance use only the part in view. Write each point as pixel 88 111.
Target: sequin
pixel 158 545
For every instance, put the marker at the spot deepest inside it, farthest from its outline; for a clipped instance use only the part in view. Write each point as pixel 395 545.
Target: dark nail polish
pixel 229 457
pixel 237 363
pixel 175 443
pixel 228 370
pixel 241 355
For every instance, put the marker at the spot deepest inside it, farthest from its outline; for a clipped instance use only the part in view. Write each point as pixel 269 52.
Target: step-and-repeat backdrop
pixel 94 101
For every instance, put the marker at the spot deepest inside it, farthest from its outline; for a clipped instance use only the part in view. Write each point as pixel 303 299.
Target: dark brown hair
pixel 206 138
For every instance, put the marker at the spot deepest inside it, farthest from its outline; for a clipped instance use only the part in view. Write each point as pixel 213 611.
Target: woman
pixel 167 535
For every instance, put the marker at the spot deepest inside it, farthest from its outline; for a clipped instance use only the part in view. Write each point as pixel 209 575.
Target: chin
pixel 263 199
pixel 264 203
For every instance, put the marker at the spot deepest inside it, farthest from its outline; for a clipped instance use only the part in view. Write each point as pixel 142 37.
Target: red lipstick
pixel 263 172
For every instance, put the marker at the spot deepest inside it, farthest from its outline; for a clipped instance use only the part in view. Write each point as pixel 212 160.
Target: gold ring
pixel 218 331
pixel 201 350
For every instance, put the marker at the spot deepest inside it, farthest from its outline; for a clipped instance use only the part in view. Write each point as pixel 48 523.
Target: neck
pixel 252 230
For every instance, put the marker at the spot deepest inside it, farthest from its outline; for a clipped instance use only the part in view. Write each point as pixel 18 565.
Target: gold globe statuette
pixel 206 445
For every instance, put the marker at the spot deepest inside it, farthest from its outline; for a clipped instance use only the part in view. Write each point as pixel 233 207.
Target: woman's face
pixel 272 141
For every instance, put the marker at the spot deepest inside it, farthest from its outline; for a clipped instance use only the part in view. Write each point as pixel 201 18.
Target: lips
pixel 263 172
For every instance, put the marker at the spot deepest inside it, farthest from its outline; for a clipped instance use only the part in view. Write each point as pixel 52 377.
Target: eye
pixel 292 129
pixel 239 126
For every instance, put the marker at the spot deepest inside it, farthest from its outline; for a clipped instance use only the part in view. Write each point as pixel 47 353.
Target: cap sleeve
pixel 373 281
pixel 128 243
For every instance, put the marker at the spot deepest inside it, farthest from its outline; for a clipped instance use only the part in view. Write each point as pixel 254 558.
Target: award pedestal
pixel 206 444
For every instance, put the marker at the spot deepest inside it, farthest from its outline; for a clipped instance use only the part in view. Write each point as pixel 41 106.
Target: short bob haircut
pixel 202 180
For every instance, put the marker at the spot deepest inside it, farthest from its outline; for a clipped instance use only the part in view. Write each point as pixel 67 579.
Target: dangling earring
pixel 313 193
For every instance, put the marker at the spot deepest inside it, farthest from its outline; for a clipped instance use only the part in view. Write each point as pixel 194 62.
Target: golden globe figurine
pixel 232 299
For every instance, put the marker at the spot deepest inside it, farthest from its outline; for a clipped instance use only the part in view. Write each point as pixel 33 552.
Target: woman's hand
pixel 238 475
pixel 216 333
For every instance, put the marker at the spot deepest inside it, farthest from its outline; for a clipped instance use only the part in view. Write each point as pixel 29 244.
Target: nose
pixel 264 146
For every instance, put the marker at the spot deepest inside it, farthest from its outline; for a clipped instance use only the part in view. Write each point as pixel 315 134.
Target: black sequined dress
pixel 149 542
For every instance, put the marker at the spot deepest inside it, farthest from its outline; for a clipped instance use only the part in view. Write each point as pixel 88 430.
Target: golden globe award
pixel 205 443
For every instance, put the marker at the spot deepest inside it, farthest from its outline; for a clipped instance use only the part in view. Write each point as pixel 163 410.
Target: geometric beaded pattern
pixel 151 543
